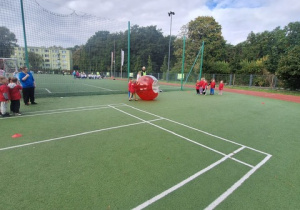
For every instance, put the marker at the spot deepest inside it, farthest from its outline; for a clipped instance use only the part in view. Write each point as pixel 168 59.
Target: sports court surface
pixel 181 151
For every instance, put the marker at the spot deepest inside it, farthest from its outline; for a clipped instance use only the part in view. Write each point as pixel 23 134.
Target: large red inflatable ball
pixel 147 87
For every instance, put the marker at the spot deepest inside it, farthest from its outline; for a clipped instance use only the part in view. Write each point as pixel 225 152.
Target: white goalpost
pixel 8 66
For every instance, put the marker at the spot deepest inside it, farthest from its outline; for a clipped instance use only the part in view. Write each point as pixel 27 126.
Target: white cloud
pixel 237 17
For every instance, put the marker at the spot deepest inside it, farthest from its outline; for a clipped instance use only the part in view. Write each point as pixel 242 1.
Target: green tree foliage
pixel 221 67
pixel 35 61
pixel 289 68
pixel 145 42
pixel 202 29
pixel 164 66
pixel 260 53
pixel 95 55
pixel 268 44
pixel 149 65
pixel 7 42
pixel 252 67
pixel 138 65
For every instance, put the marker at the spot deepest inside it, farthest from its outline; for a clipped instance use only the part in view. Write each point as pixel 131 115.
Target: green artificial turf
pixel 105 152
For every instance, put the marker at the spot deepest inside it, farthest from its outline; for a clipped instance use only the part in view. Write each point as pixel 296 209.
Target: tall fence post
pixel 250 82
pixel 275 82
pixel 230 79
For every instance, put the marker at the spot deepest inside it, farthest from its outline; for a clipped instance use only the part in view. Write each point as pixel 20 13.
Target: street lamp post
pixel 170 14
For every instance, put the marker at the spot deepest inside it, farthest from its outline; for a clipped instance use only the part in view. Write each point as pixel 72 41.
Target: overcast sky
pixel 237 17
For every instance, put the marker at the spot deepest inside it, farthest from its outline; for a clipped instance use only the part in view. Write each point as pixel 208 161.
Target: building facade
pixel 54 58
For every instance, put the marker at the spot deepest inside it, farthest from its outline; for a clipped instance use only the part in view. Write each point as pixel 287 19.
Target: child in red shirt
pixel 133 90
pixel 204 86
pixel 4 96
pixel 212 87
pixel 197 87
pixel 15 96
pixel 201 83
pixel 221 86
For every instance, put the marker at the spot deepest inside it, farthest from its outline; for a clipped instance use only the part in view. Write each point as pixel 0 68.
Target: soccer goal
pixel 8 66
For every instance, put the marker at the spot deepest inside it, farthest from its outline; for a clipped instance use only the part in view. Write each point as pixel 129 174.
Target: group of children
pixel 10 92
pixel 202 87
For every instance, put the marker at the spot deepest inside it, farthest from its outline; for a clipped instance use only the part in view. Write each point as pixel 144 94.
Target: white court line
pixel 222 197
pixel 100 87
pixel 73 135
pixel 180 136
pixel 47 90
pixel 218 137
pixel 216 151
pixel 247 164
pixel 58 111
pixel 231 189
pixel 182 183
pixel 80 107
pixel 49 113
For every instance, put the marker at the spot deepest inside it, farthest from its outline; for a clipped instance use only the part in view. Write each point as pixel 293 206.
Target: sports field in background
pixel 49 85
pixel 180 151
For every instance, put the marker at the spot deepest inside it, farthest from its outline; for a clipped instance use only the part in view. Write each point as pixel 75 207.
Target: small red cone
pixel 17 135
pixel 262 102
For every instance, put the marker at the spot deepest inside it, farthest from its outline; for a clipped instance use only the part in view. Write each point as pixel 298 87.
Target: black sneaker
pixel 33 103
pixel 6 115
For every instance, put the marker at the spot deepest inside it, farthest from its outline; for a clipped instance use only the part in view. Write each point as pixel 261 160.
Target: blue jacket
pixel 29 82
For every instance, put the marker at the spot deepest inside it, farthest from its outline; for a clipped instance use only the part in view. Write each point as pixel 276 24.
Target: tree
pixel 35 60
pixel 7 42
pixel 198 30
pixel 145 42
pixel 289 68
pixel 138 65
pixel 164 66
pixel 149 65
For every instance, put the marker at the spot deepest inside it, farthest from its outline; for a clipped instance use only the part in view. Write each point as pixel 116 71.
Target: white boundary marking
pixel 99 87
pixel 199 130
pixel 73 135
pixel 175 187
pixel 58 111
pixel 227 192
pixel 48 90
pixel 178 135
pixel 222 197
pixel 215 203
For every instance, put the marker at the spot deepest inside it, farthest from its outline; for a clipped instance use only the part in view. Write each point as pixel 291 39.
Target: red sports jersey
pixel 212 85
pixel 204 84
pixel 15 93
pixel 197 85
pixel 201 83
pixel 4 90
pixel 221 86
pixel 132 87
pixel 129 85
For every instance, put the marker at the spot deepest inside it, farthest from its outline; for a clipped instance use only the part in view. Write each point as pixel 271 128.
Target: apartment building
pixel 54 58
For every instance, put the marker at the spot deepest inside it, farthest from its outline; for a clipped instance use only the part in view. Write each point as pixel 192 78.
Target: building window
pixel 46 50
pixel 46 56
pixel 47 60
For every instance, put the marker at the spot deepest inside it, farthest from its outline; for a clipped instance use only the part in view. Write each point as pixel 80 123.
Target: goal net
pixel 8 66
pixel 61 41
